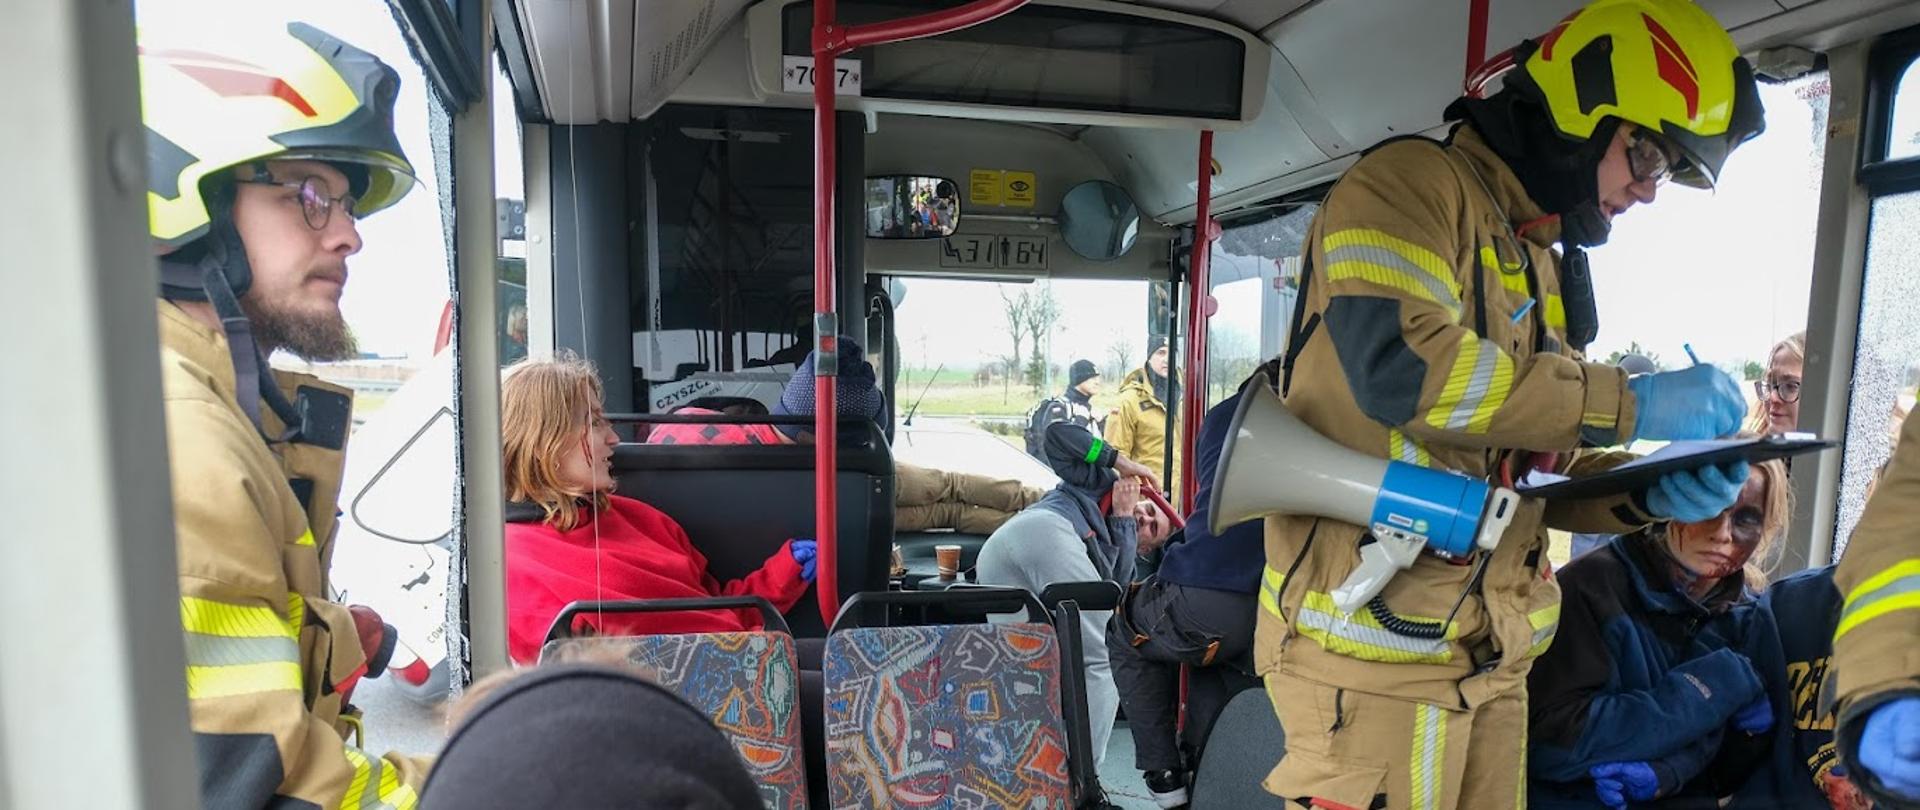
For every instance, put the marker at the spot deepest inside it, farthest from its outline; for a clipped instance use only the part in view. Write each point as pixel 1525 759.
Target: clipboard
pixel 1643 473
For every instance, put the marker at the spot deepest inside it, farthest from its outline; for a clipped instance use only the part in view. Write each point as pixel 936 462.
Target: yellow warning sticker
pixel 983 187
pixel 1017 189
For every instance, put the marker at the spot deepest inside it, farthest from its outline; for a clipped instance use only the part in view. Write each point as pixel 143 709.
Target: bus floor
pixel 395 723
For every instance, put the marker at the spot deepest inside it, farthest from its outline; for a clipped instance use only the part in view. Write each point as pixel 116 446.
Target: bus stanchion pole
pixel 826 333
pixel 829 41
pixel 1199 295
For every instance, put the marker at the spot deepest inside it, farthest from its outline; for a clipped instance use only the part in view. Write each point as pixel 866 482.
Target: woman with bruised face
pixel 1645 696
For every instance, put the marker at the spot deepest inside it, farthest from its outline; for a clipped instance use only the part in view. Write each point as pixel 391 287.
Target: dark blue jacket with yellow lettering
pixel 1792 650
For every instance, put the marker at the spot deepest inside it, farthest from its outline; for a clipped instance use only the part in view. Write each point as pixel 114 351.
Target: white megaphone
pixel 1274 464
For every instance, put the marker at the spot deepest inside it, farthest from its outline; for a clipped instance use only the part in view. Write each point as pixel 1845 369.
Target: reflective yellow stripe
pixel 1271 583
pixel 1359 635
pixel 242 679
pixel 1401 447
pixel 296 613
pixel 1604 421
pixel 208 617
pixel 1509 274
pixel 375 786
pixel 1429 756
pixel 237 649
pixel 1896 588
pixel 1476 388
pixel 1378 258
pixel 305 538
pixel 1545 622
pixel 1556 311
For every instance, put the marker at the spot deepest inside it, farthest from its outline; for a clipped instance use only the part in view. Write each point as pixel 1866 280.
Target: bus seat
pixel 748 683
pixel 738 503
pixel 969 713
pixel 1240 753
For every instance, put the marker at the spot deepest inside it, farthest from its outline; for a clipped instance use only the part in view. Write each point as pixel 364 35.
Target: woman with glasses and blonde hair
pixel 1778 410
pixel 1648 677
pixel 569 538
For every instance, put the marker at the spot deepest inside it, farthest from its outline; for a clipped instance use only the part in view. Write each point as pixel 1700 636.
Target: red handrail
pixel 1199 294
pixel 829 41
pixel 1476 36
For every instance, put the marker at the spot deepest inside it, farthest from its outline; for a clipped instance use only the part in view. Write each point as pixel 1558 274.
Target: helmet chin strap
pixel 204 272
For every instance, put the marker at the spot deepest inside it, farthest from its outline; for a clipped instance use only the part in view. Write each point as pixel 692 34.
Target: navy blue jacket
pixel 1640 672
pixel 1198 559
pixel 1793 647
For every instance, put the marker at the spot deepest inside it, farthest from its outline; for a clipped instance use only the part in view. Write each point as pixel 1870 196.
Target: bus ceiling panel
pixel 1159 166
pixel 605 60
pixel 994 152
pixel 1822 25
pixel 1077 62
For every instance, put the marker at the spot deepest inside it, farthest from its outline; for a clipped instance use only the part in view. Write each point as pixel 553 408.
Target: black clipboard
pixel 1643 473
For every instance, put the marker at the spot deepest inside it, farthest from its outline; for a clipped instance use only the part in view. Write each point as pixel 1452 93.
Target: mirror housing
pixel 1099 220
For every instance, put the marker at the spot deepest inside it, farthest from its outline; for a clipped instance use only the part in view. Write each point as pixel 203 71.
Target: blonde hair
pixel 546 412
pixel 1777 504
pixel 1795 345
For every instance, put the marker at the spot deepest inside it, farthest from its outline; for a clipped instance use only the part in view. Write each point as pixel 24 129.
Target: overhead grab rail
pixel 829 41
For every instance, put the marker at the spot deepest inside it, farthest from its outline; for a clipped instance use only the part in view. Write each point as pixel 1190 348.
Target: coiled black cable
pixel 1401 625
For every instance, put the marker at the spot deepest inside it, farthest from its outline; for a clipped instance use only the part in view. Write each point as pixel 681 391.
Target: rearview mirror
pixel 1098 220
pixel 902 206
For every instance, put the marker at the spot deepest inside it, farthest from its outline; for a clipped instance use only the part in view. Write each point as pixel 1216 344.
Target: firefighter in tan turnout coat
pixel 264 147
pixel 1442 321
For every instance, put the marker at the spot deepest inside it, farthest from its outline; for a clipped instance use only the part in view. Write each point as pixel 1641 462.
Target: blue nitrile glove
pixel 806 553
pixel 1890 746
pixel 1617 782
pixel 1755 718
pixel 1701 402
pixel 1691 496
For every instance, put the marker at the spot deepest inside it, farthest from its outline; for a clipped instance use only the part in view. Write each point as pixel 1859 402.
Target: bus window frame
pixel 1887 63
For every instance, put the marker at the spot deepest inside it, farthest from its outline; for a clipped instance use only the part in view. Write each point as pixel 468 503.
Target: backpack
pixel 1049 411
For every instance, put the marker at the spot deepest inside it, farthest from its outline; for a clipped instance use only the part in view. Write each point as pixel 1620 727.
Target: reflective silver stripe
pixel 1382 257
pixel 1352 630
pixel 1477 386
pixel 1429 754
pixel 219 651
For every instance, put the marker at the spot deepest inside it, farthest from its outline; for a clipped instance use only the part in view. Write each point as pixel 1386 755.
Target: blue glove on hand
pixel 806 553
pixel 1701 402
pixel 1755 718
pixel 1617 782
pixel 1691 496
pixel 1890 746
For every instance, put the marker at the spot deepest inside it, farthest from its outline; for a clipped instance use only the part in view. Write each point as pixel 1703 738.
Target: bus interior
pixel 1152 164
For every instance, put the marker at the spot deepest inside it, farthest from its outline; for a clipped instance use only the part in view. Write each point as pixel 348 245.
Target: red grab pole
pixel 1199 295
pixel 830 40
pixel 1476 36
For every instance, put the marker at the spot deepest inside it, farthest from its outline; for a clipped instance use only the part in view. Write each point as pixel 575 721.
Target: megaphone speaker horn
pixel 1274 464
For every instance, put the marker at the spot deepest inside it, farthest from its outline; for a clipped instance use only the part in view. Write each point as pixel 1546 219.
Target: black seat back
pixel 738 503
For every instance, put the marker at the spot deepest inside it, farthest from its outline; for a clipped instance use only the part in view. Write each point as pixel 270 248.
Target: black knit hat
pixel 587 737
pixel 1081 371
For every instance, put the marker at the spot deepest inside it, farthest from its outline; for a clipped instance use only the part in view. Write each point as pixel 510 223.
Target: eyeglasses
pixel 1788 391
pixel 1647 158
pixel 315 206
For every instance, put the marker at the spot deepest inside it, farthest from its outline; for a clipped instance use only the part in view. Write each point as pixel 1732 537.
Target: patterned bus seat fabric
pixel 748 683
pixel 957 716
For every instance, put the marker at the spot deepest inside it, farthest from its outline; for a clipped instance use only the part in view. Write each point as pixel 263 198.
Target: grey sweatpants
pixel 1038 548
